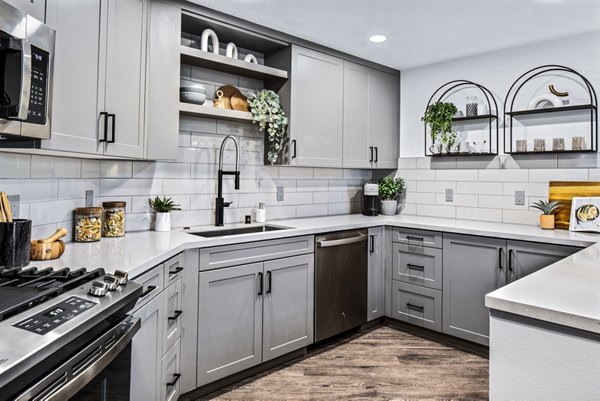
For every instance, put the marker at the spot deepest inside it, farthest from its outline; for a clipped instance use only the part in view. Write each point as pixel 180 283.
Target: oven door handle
pixel 23 111
pixel 343 241
pixel 66 380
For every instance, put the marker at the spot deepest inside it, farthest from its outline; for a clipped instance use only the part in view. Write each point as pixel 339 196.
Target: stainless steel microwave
pixel 26 62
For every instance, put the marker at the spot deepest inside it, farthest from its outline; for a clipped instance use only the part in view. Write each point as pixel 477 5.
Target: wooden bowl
pixel 47 251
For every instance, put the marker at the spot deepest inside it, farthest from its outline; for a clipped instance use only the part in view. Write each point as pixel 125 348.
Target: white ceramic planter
pixel 389 207
pixel 163 222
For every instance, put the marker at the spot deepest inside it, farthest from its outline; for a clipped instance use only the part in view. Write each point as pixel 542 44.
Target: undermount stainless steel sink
pixel 239 230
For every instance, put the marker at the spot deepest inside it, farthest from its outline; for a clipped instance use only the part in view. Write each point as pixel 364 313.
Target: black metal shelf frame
pixel 489 97
pixel 514 89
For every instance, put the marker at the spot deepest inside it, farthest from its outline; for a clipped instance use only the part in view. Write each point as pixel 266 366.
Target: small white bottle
pixel 260 214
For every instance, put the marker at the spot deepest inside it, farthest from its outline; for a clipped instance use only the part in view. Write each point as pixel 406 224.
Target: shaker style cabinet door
pixel 384 109
pixel 316 120
pixel 229 321
pixel 76 68
pixel 358 82
pixel 123 77
pixel 288 310
pixel 472 267
pixel 525 258
pixel 376 275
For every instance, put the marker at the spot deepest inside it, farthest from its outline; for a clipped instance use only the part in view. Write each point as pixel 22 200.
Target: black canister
pixel 15 241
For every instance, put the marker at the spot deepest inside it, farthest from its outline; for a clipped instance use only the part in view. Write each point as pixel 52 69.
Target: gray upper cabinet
pixel 371 117
pixel 472 267
pixel 375 275
pixel 288 305
pixel 229 321
pixel 525 258
pixel 316 116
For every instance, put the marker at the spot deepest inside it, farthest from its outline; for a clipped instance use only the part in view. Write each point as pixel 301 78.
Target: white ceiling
pixel 420 31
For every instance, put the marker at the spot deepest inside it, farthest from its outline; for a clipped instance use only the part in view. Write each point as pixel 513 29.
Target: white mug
pixel 482 109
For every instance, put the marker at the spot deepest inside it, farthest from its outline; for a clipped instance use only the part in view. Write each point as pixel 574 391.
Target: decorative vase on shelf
pixel 389 207
pixel 163 222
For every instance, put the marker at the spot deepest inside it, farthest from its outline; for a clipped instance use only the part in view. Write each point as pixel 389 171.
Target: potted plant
pixel 438 117
pixel 548 208
pixel 389 189
pixel 163 208
pixel 267 112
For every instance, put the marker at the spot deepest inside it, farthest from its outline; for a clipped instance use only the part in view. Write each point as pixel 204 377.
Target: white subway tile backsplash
pixel 456 175
pixel 435 186
pixel 483 188
pixel 14 165
pixel 357 174
pixel 31 190
pixel 479 214
pixel 500 202
pixel 459 200
pixel 75 188
pixel 124 187
pixel 546 175
pixel 407 163
pixel 417 175
pixel 503 175
pixel 302 173
pixel 161 170
pixel 328 173
pixel 312 185
pixel 55 167
pixel 520 217
pixel 90 168
pixel 530 188
pixel 52 211
pixel 116 169
pixel 423 198
pixel 436 211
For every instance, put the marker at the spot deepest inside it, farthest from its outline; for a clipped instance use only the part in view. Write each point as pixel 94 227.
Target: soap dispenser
pixel 260 214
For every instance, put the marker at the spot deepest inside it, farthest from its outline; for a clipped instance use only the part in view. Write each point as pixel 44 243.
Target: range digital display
pixel 56 315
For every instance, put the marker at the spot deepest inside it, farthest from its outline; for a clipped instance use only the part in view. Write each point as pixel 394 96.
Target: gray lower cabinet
pixel 417 305
pixel 473 266
pixel 376 275
pixel 252 313
pixel 417 265
pixel 525 258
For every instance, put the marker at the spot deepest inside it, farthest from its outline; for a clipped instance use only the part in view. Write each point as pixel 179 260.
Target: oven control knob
pixel 111 281
pixel 98 289
pixel 122 276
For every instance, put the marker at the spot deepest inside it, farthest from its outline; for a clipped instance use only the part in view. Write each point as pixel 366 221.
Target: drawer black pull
pixel 260 280
pixel 510 260
pixel 105 137
pixel 416 307
pixel 294 148
pixel 409 238
pixel 176 377
pixel 371 147
pixel 176 315
pixel 376 154
pixel 415 267
pixel 501 258
pixel 148 291
pixel 177 270
pixel 372 246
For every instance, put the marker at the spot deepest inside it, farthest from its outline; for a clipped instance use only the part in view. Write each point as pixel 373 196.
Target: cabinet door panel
pixel 418 265
pixel 125 66
pixel 76 68
pixel 526 257
pixel 357 115
pixel 229 321
pixel 317 108
pixel 146 352
pixel 376 275
pixel 170 368
pixel 472 267
pixel 385 120
pixel 288 305
pixel 173 299
pixel 417 305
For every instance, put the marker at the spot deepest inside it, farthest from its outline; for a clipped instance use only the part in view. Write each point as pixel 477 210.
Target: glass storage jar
pixel 113 223
pixel 88 224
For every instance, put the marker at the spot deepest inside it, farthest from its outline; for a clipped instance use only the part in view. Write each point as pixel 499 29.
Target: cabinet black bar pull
pixel 510 260
pixel 372 245
pixel 371 147
pixel 293 148
pixel 175 316
pixel 260 281
pixel 269 282
pixel 177 270
pixel 105 115
pixel 411 306
pixel 415 267
pixel 148 291
pixel 176 377
pixel 376 154
pixel 500 258
pixel 114 123
pixel 410 237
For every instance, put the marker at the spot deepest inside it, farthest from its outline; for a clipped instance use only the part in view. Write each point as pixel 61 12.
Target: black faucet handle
pixel 227 204
pixel 237 180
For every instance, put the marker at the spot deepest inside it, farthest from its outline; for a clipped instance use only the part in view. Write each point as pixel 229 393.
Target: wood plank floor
pixel 382 364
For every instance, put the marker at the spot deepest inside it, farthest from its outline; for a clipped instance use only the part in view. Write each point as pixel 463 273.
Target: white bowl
pixel 192 97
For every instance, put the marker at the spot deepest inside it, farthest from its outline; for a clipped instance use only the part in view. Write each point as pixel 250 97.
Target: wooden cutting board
pixel 564 191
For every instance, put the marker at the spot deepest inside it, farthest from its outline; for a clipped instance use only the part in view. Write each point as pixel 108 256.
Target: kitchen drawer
pixel 173 300
pixel 417 238
pixel 171 373
pixel 240 254
pixel 417 305
pixel 153 282
pixel 417 265
pixel 174 268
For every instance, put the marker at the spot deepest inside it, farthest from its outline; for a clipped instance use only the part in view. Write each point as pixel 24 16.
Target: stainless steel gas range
pixel 65 334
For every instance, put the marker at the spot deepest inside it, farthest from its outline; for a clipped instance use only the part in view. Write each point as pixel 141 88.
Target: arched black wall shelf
pixel 511 114
pixel 491 117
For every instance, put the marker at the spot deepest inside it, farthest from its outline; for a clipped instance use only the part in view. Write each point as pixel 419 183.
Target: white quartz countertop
pixel 567 292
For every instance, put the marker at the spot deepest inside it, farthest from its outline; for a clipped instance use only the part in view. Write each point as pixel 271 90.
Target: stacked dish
pixel 192 94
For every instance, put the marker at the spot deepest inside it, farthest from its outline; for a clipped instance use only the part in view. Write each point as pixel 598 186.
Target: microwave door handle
pixel 23 111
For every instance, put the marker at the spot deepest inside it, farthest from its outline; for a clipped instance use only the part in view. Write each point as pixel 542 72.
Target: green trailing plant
pixel 546 207
pixel 269 115
pixel 163 205
pixel 390 188
pixel 438 117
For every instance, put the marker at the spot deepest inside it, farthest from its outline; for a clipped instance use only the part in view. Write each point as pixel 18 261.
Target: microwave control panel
pixel 40 65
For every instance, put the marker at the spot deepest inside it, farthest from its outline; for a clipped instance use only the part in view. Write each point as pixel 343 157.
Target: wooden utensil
pixel 49 248
pixel 61 232
pixel 6 208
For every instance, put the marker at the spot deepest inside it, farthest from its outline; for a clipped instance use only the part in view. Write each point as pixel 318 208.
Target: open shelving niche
pixel 452 89
pixel 567 114
pixel 267 50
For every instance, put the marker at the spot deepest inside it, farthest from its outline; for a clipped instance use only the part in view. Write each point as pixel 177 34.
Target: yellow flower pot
pixel 547 221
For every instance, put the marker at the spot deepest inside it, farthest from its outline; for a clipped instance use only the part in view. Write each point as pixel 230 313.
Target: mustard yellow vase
pixel 547 221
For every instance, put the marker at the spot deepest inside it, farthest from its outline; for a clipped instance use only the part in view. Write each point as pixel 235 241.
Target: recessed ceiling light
pixel 378 38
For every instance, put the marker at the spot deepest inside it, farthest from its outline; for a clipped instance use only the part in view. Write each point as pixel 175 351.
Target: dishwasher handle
pixel 343 241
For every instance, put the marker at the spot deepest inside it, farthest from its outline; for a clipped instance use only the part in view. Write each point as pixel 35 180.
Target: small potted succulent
pixel 438 117
pixel 548 208
pixel 163 208
pixel 389 189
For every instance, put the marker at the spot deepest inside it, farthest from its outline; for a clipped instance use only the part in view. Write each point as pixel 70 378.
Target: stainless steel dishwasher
pixel 340 282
